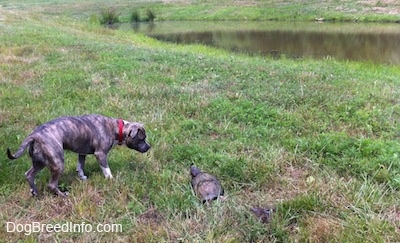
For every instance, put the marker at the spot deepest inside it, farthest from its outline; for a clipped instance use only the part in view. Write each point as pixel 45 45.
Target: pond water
pixel 377 43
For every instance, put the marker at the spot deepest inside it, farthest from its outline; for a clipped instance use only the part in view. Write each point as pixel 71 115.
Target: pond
pixel 377 43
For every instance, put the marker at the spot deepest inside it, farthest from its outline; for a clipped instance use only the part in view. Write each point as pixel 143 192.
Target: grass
pixel 135 16
pixel 150 15
pixel 316 140
pixel 109 16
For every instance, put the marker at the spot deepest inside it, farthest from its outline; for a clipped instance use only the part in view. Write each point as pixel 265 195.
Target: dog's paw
pixel 107 172
pixel 83 177
pixel 34 193
pixel 61 194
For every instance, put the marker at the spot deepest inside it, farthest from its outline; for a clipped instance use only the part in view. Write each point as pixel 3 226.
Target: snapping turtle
pixel 207 187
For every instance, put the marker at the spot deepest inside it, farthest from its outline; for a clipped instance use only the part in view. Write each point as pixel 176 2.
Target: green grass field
pixel 318 140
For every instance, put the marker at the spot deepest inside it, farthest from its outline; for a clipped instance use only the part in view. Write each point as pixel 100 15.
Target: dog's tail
pixel 21 149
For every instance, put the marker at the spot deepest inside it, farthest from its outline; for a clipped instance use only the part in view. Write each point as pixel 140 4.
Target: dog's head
pixel 136 137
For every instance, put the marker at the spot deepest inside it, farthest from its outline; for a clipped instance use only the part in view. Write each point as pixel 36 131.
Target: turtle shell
pixel 206 186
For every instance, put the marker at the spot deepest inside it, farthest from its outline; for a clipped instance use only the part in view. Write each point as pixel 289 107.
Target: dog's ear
pixel 137 130
pixel 141 133
pixel 132 132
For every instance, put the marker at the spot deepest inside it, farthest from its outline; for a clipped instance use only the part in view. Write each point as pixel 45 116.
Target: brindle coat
pixel 88 134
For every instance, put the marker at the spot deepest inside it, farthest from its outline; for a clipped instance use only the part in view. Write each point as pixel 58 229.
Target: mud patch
pixel 152 216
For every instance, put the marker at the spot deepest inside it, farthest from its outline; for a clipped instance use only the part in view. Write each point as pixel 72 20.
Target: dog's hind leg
pixel 56 169
pixel 30 176
pixel 80 166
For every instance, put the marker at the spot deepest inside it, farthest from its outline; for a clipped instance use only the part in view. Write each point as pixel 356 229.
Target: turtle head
pixel 194 171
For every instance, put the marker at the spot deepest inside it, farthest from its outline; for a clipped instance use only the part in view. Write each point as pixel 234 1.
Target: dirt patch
pixel 378 2
pixel 393 215
pixel 26 209
pixel 383 10
pixel 12 59
pixel 245 3
pixel 391 7
pixel 323 229
pixel 152 216
pixel 4 116
pixel 292 183
pixel 176 1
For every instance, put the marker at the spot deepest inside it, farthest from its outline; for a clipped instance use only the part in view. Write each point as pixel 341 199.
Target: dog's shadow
pixel 92 169
pixel 70 176
pixel 70 180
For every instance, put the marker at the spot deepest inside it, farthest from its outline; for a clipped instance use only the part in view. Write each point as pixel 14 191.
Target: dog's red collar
pixel 120 128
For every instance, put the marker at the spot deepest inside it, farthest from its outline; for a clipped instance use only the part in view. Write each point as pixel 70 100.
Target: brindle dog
pixel 88 134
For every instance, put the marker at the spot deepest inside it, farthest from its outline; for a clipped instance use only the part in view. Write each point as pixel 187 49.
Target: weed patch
pixel 109 16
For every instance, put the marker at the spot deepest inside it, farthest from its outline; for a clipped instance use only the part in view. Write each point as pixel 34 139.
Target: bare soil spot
pixel 322 229
pixel 152 216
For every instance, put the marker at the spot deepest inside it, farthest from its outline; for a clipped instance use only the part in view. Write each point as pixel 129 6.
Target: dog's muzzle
pixel 141 147
pixel 144 147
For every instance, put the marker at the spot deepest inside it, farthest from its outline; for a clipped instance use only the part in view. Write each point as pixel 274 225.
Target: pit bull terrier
pixel 87 134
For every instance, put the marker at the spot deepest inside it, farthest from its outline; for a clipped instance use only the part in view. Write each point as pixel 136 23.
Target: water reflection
pixel 379 44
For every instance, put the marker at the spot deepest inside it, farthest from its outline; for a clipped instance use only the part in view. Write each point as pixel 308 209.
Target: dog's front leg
pixel 80 166
pixel 102 158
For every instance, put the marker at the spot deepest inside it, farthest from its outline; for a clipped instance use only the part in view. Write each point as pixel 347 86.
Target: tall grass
pixel 135 16
pixel 150 15
pixel 109 16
